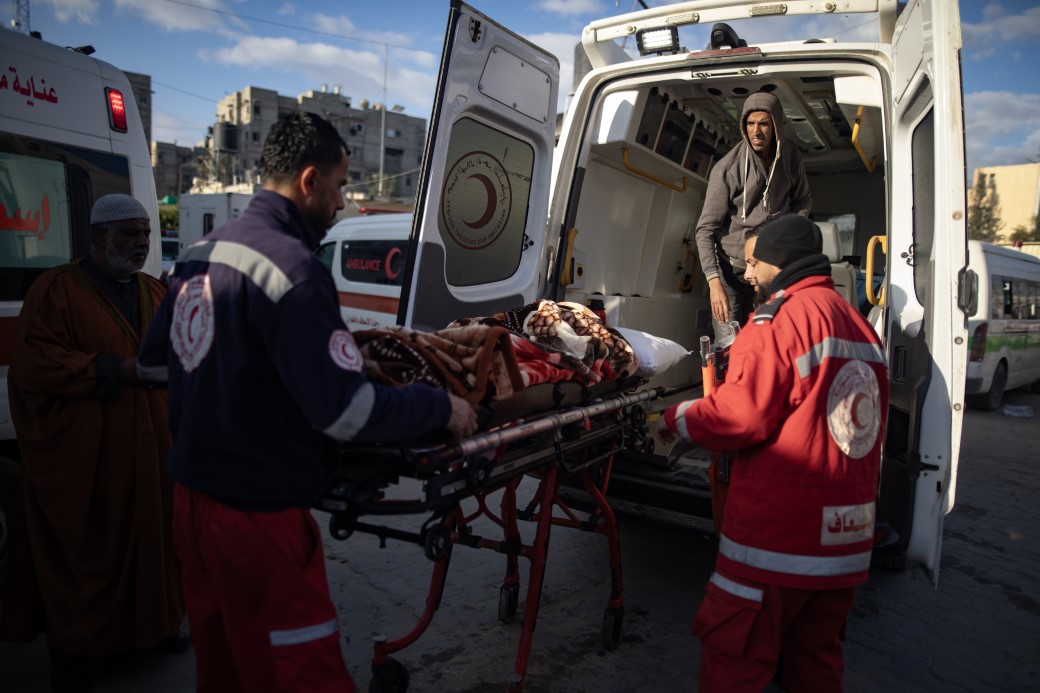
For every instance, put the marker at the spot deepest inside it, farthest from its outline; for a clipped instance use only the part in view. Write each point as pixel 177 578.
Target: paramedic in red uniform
pixel 262 372
pixel 803 411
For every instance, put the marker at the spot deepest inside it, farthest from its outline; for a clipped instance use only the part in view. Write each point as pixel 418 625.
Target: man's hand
pixel 463 420
pixel 719 300
pixel 128 371
pixel 665 434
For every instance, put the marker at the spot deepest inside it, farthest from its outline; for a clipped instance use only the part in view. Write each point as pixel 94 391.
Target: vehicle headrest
pixel 831 240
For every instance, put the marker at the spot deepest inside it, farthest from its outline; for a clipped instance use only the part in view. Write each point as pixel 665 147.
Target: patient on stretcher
pixel 489 359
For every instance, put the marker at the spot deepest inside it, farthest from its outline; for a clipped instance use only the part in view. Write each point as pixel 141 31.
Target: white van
pixel 69 133
pixel 366 256
pixel 607 215
pixel 1004 351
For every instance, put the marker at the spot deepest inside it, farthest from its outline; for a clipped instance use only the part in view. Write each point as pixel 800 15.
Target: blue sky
pixel 197 51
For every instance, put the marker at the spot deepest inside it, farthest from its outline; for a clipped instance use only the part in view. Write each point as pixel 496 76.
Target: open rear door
pixel 479 234
pixel 926 329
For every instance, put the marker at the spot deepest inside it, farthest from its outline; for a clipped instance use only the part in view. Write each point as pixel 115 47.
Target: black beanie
pixel 786 239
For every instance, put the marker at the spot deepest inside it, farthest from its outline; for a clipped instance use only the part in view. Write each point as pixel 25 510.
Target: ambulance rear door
pixel 479 238
pixel 926 328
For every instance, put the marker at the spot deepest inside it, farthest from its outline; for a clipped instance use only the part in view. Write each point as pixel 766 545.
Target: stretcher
pixel 575 441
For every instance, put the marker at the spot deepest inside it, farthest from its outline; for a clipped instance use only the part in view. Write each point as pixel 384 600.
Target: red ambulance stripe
pixel 378 304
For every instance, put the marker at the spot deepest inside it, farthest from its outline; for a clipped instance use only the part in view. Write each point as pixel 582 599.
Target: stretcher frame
pixel 578 442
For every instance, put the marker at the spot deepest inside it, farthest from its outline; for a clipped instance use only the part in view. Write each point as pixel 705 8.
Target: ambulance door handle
pixel 567 273
pixel 868 280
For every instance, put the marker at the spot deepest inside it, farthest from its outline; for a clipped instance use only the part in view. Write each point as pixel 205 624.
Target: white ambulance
pixel 607 215
pixel 70 132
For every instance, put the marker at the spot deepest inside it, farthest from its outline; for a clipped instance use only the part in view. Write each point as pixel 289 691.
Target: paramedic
pixel 803 411
pixel 758 180
pixel 261 369
pixel 92 559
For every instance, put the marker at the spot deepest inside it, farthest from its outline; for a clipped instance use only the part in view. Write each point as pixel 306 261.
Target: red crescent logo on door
pixel 477 200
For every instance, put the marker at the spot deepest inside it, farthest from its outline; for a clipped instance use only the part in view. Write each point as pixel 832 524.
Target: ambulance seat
pixel 842 272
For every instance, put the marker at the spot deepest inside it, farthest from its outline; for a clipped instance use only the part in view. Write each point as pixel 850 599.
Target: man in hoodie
pixel 758 180
pixel 803 412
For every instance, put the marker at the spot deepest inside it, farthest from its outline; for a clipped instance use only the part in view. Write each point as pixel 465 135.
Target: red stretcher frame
pixel 577 443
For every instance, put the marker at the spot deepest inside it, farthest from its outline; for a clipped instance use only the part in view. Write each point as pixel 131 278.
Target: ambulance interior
pixel 649 146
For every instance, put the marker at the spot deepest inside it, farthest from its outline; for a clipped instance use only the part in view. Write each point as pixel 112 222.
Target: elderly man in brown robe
pixel 92 563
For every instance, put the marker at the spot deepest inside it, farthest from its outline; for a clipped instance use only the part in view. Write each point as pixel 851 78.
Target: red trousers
pixel 258 599
pixel 744 627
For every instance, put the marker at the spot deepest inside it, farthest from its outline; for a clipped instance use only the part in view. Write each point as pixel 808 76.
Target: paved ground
pixel 980 631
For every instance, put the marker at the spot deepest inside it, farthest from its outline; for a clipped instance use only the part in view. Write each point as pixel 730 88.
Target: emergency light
pixel 659 40
pixel 116 110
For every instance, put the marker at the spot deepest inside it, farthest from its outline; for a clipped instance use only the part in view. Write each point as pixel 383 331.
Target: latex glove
pixel 463 420
pixel 665 434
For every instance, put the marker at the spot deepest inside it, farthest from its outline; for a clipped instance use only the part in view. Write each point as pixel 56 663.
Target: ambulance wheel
pixel 391 677
pixel 437 543
pixel 508 598
pixel 612 619
pixel 991 400
pixel 338 527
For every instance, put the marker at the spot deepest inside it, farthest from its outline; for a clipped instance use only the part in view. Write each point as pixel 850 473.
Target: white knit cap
pixel 116 208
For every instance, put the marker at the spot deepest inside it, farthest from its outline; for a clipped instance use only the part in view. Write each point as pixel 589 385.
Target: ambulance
pixel 70 132
pixel 606 216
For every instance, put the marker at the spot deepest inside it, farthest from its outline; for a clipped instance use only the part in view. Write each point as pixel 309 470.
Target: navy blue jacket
pixel 261 367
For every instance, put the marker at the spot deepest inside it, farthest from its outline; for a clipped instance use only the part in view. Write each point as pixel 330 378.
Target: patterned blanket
pixel 491 358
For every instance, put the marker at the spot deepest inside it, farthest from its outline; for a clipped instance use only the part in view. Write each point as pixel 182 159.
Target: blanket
pixel 491 358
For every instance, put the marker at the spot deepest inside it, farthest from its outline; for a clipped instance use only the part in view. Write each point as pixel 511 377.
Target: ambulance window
pixel 373 262
pixel 923 147
pixel 324 253
pixel 46 190
pixel 484 202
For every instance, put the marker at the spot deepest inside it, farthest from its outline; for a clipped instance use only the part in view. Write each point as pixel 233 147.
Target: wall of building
pixel 1018 187
pixel 251 112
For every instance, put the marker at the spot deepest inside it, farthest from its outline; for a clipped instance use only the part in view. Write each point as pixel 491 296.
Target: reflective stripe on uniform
pixel 735 588
pixel 260 269
pixel 297 636
pixel 680 419
pixel 355 416
pixel 153 374
pixel 833 347
pixel 793 564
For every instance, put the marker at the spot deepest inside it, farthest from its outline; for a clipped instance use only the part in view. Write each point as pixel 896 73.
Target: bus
pixel 1004 351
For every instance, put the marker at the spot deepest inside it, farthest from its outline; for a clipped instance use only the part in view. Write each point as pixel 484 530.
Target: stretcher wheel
pixel 647 446
pixel 612 619
pixel 477 474
pixel 437 542
pixel 637 415
pixel 391 677
pixel 508 598
pixel 338 527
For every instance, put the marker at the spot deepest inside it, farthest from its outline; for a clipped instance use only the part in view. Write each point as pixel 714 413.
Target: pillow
pixel 656 354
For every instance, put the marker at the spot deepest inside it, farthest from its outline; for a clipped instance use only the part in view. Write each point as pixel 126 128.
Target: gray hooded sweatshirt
pixel 743 194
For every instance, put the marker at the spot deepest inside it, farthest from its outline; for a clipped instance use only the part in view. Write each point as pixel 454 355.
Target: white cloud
pixel 170 16
pixel 998 29
pixel 340 25
pixel 1000 128
pixel 305 66
pixel 82 11
pixel 287 10
pixel 576 7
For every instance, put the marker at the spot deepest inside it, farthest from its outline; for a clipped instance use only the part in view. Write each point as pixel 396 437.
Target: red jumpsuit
pixel 803 409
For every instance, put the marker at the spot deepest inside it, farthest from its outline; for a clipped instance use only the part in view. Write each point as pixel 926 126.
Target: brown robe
pixel 92 562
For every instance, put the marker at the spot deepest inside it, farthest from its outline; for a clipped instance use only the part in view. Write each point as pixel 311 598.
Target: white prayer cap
pixel 116 208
